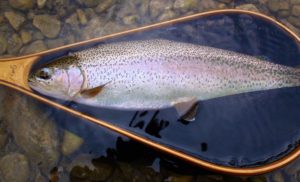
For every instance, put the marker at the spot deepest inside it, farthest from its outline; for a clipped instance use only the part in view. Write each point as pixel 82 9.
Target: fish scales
pixel 156 73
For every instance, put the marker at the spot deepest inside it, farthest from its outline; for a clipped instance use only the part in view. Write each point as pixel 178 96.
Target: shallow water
pixel 254 132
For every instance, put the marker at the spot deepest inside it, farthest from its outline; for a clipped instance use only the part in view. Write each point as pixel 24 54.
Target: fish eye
pixel 44 74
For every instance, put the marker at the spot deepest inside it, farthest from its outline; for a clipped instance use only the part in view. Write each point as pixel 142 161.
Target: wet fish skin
pixel 153 74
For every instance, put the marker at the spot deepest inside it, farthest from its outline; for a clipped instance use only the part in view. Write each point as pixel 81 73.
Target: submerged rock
pixel 34 131
pixel 48 25
pixel 72 19
pixel 103 169
pixel 157 7
pixel 249 7
pixel 207 4
pixel 34 47
pixel 82 160
pixel 14 44
pixel 104 5
pixel 15 19
pixel 139 173
pixel 278 177
pixel 3 135
pixel 22 4
pixel 3 44
pixel 294 21
pixel 167 15
pixel 257 179
pixel 1 19
pixel 295 2
pixel 296 10
pixel 180 179
pixel 130 20
pixel 94 28
pixel 41 3
pixel 89 3
pixel 14 167
pixel 40 178
pixel 25 36
pixel 71 143
pixel 278 5
pixel 81 17
pixel 84 167
pixel 54 43
pixel 185 5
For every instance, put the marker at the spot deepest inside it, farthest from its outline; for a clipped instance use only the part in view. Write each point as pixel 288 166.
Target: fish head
pixel 61 79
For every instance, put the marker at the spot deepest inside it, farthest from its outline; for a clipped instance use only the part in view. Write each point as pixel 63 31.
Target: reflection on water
pixel 152 126
pixel 52 144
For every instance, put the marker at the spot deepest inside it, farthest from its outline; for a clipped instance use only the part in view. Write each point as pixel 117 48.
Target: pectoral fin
pixel 186 108
pixel 89 93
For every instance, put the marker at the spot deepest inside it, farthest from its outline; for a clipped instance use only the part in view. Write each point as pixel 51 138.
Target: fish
pixel 157 74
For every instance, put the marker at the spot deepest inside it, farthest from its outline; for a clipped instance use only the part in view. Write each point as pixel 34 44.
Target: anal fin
pixel 186 108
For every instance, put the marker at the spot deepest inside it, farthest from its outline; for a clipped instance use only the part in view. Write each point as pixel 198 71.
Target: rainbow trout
pixel 154 74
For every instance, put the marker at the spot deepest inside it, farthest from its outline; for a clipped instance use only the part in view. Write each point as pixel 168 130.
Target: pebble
pixel 277 5
pixel 38 36
pixel 157 6
pixel 126 10
pixel 130 20
pixel 37 133
pixel 89 3
pixel 82 160
pixel 226 1
pixel 294 21
pixel 40 178
pixel 278 177
pixel 249 7
pixel 143 9
pixel 71 143
pixel 296 10
pixel 3 44
pixel 48 25
pixel 25 36
pixel 290 26
pixel 72 19
pixel 1 19
pixel 208 4
pixel 103 169
pixel 90 13
pixel 22 4
pixel 81 16
pixel 94 28
pixel 55 43
pixel 14 167
pixel 104 5
pixel 14 44
pixel 139 173
pixel 167 15
pixel 293 2
pixel 100 171
pixel 15 19
pixel 41 3
pixel 258 179
pixel 283 13
pixel 3 134
pixel 34 47
pixel 180 179
pixel 185 5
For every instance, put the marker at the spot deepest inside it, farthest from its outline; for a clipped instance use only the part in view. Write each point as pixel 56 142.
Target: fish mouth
pixel 31 81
